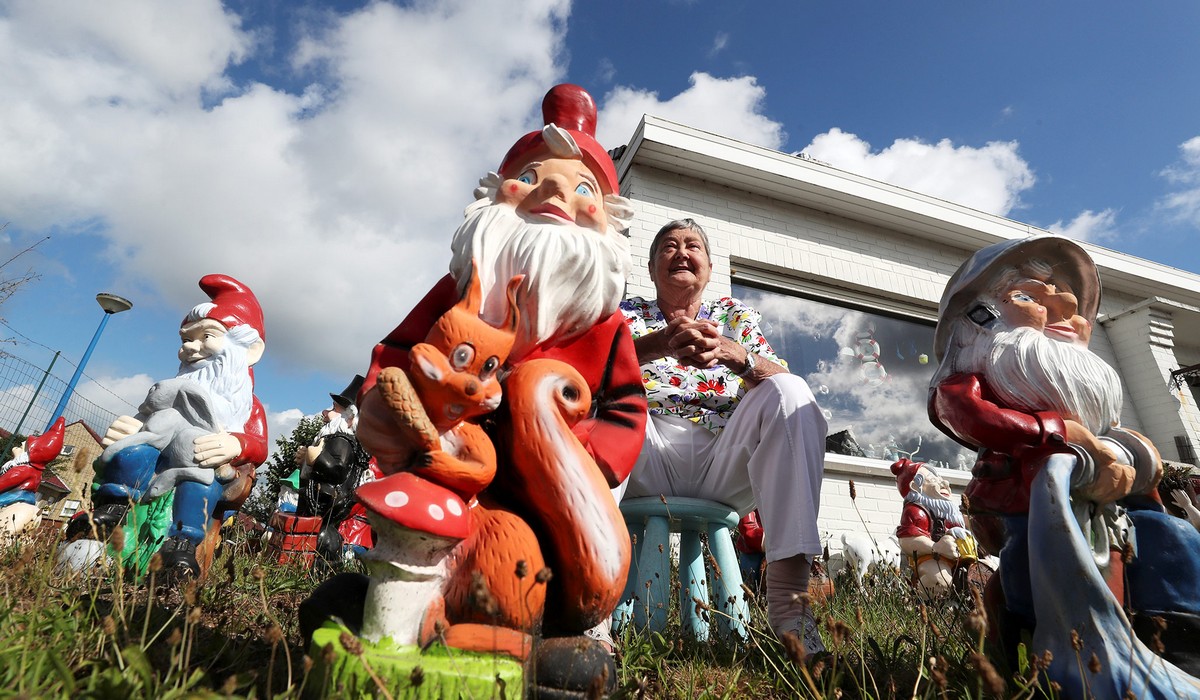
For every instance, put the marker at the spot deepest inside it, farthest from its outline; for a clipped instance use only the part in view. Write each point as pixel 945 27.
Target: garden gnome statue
pixel 21 478
pixel 932 531
pixel 1059 485
pixel 329 471
pixel 546 543
pixel 197 436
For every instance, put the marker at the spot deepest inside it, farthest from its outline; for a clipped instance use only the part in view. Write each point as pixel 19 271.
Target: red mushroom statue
pixel 417 523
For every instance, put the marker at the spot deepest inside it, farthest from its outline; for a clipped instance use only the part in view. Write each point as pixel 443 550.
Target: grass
pixel 237 636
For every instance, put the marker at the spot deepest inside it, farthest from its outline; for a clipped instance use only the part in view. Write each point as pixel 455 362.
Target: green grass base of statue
pixel 406 671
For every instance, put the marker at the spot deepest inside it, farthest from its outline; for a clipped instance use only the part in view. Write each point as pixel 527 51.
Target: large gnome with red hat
pixel 553 215
pixel 199 435
pixel 21 477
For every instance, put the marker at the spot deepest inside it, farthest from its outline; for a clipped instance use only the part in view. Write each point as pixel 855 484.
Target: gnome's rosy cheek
pixel 512 192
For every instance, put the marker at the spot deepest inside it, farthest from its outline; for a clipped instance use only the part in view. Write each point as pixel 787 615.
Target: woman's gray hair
pixel 675 226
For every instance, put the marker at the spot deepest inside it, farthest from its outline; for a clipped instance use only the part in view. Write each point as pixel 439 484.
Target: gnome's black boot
pixel 179 560
pixel 571 668
pixel 105 518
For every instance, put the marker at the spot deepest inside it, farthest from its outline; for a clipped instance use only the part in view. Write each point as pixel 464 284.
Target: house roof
pixel 675 148
pixel 51 482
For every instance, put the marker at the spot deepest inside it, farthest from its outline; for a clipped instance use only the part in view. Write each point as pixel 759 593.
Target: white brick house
pixel 843 266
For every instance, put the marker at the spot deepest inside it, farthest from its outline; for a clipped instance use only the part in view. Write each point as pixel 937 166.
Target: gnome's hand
pixel 216 449
pixel 946 548
pixel 1184 501
pixel 121 428
pixel 1113 480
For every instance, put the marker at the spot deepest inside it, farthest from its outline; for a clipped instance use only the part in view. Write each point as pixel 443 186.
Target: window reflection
pixel 869 372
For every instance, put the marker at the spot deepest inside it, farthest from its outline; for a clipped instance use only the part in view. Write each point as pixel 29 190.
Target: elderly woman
pixel 727 421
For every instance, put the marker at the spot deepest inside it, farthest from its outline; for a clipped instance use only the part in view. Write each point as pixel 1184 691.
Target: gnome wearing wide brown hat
pixel 1018 383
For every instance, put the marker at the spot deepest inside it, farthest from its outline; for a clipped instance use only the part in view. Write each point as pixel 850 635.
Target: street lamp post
pixel 112 304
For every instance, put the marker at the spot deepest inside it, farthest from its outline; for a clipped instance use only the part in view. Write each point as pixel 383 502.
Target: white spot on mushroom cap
pixel 436 512
pixel 396 499
pixel 454 507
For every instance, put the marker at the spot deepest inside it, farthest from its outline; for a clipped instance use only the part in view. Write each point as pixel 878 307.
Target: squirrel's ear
pixel 514 312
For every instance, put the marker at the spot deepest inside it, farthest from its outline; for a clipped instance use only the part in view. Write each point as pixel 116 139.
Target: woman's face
pixel 680 261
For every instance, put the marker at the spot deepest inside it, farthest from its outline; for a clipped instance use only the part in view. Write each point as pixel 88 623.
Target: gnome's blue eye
pixel 1022 296
pixel 527 177
pixel 584 189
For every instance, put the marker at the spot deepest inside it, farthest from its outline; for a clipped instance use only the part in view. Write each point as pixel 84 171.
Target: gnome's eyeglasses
pixel 983 314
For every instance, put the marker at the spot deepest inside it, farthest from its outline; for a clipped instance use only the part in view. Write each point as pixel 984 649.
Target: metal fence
pixel 29 394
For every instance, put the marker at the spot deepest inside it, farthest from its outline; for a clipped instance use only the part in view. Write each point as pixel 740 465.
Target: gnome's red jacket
pixel 253 437
pixel 24 477
pixel 612 433
pixel 1012 443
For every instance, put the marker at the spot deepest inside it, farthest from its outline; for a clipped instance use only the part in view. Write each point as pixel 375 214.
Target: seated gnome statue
pixel 327 473
pixel 1060 487
pixel 21 477
pixel 548 549
pixel 195 442
pixel 932 530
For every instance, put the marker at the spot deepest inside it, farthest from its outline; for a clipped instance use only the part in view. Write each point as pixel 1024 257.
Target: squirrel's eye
pixel 461 356
pixel 489 366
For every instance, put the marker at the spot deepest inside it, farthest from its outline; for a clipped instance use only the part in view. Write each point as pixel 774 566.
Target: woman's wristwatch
pixel 749 368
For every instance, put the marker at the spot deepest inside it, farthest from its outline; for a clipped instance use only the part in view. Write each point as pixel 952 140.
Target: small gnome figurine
pixel 22 477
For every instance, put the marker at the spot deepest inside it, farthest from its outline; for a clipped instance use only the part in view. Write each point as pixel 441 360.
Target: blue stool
pixel 647 591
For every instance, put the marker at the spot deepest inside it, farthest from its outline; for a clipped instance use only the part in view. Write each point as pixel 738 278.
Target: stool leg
pixel 692 584
pixel 624 611
pixel 728 586
pixel 654 576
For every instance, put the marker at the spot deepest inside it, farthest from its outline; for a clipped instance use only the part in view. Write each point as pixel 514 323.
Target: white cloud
pixel 120 395
pixel 605 71
pixel 1184 203
pixel 990 179
pixel 728 106
pixel 720 41
pixel 339 200
pixel 282 423
pixel 1096 227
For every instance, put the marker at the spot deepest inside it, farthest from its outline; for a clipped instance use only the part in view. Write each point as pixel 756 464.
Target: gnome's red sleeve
pixel 23 477
pixel 392 351
pixel 914 522
pixel 253 437
pixel 965 407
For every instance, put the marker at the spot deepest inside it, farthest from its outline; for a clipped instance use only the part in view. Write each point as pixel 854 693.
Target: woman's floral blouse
pixel 705 396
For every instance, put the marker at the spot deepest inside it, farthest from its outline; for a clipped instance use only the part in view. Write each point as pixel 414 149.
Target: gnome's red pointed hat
pixel 905 470
pixel 233 303
pixel 570 108
pixel 45 447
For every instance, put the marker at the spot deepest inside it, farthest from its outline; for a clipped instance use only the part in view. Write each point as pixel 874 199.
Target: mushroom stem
pixel 408 571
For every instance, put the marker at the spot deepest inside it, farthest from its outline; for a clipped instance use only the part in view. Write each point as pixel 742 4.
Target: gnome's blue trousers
pixel 128 475
pixel 17 496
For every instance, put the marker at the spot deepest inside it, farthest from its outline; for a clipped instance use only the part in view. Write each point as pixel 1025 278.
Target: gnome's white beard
pixel 575 276
pixel 226 375
pixel 337 424
pixel 943 508
pixel 1031 372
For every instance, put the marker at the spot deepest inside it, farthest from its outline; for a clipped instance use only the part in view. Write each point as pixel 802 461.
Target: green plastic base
pixel 444 673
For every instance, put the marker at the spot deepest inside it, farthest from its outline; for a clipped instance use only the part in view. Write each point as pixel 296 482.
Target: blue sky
pixel 323 152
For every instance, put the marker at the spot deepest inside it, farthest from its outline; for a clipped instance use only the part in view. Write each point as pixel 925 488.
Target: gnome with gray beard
pixel 932 530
